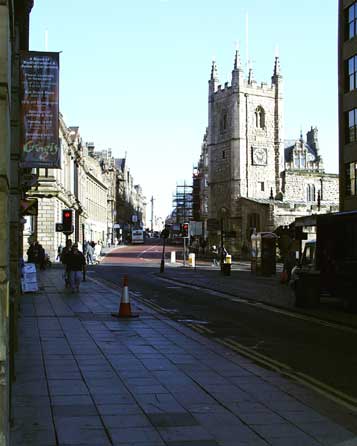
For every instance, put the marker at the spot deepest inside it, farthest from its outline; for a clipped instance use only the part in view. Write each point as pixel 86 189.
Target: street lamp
pixel 223 213
pixel 164 235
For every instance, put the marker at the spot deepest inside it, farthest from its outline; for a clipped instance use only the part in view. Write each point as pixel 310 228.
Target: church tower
pixel 245 141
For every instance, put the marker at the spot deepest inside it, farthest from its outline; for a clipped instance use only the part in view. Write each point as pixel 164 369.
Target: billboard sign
pixel 39 102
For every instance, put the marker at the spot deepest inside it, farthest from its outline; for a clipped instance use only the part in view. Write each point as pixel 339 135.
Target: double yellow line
pixel 327 391
pixel 323 389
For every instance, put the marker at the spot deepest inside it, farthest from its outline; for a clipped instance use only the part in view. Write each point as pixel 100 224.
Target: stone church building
pixel 256 179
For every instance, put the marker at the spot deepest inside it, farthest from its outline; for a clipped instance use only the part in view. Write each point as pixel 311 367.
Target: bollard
pixel 192 260
pixel 173 256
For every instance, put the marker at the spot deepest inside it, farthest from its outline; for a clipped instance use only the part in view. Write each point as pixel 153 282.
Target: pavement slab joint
pixel 151 382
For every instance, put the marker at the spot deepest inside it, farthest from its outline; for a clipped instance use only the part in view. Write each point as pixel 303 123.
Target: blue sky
pixel 134 73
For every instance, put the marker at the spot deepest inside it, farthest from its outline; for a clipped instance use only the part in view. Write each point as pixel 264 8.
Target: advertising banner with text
pixel 39 83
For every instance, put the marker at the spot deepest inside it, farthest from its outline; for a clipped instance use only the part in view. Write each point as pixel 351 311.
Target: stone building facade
pixel 78 185
pixel 92 184
pixel 55 190
pixel 202 174
pixel 107 163
pixel 130 201
pixel 14 36
pixel 94 199
pixel 256 179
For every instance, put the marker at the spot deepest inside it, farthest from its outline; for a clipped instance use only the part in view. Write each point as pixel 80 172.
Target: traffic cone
pixel 124 307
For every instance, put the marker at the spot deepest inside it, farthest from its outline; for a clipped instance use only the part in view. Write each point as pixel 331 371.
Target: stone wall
pixel 5 132
pixel 295 183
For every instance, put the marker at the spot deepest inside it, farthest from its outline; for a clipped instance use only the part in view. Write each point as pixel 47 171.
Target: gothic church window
pixel 303 161
pixel 223 154
pixel 310 192
pixel 223 123
pixel 260 117
pixel 300 160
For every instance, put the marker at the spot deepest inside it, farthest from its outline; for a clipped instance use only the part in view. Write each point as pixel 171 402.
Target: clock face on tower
pixel 259 156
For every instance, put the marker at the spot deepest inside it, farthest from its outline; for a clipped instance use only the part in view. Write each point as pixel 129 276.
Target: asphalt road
pixel 324 353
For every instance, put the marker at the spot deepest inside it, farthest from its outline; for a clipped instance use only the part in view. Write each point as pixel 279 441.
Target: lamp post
pixel 83 240
pixel 223 213
pixel 164 234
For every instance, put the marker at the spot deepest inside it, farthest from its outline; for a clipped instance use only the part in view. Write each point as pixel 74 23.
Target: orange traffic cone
pixel 124 307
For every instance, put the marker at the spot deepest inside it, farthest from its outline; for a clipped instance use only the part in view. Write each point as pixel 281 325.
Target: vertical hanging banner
pixel 39 83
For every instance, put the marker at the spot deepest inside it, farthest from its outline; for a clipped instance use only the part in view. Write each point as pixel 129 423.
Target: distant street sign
pixel 116 226
pixel 134 218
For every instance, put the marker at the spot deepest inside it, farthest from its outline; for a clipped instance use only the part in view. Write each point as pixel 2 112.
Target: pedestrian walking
pixel 214 255
pixel 41 257
pixel 97 251
pixel 222 254
pixel 76 263
pixel 289 263
pixel 64 255
pixel 59 252
pixel 32 252
pixel 89 254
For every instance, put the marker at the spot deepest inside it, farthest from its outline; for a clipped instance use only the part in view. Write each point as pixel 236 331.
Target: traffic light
pixel 67 218
pixel 185 230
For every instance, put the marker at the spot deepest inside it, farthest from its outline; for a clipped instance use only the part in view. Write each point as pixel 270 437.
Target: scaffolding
pixel 183 203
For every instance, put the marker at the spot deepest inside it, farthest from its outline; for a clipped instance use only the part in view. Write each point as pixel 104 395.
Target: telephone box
pixel 263 255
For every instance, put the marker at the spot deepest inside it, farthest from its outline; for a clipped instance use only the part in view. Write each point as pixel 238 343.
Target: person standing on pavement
pixel 214 254
pixel 65 251
pixel 59 251
pixel 97 251
pixel 85 248
pixel 32 252
pixel 76 263
pixel 89 254
pixel 41 257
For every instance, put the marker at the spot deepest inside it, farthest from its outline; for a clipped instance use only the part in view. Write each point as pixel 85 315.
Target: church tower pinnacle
pixel 237 69
pixel 277 71
pixel 250 73
pixel 214 81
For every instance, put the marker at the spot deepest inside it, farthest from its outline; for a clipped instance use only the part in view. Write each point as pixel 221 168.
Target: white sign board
pixel 29 278
pixel 196 228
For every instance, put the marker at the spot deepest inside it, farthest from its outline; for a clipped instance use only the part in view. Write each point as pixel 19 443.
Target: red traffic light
pixel 185 229
pixel 67 217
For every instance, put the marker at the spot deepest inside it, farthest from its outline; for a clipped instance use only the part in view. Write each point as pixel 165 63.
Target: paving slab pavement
pixel 86 378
